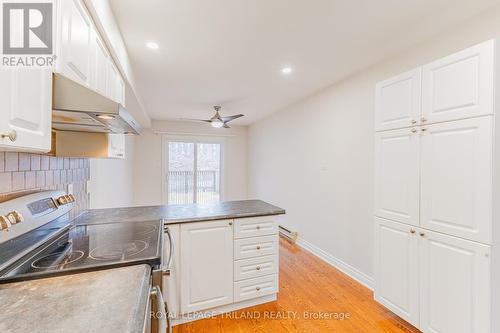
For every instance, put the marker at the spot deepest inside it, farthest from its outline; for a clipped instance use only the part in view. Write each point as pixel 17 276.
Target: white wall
pixel 148 159
pixel 315 158
pixel 111 180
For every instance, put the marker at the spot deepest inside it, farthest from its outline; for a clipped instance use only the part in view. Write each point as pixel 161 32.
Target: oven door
pixel 160 322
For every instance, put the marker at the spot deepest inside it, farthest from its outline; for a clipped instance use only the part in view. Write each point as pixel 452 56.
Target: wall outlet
pixel 70 188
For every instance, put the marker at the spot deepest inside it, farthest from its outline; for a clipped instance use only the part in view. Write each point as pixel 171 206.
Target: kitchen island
pixel 221 257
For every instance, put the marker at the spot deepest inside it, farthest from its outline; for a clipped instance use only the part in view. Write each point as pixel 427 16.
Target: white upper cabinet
pixel 455 285
pixel 396 269
pixel 75 46
pixel 99 64
pixel 113 82
pixel 397 175
pixel 206 265
pixel 460 85
pixel 398 101
pixel 25 109
pixel 456 171
pixel 83 56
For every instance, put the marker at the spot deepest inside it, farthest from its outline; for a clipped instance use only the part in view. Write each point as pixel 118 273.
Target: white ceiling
pixel 230 52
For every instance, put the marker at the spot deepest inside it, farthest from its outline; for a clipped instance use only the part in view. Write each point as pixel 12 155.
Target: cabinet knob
pixel 12 136
pixel 413 130
pixel 423 119
pixel 422 234
pixel 230 223
pixel 258 247
pixel 423 129
pixel 412 231
pixel 257 268
pixel 413 121
pixel 257 288
pixel 258 227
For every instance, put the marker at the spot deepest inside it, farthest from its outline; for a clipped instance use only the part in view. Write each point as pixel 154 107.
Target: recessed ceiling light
pixel 153 45
pixel 286 70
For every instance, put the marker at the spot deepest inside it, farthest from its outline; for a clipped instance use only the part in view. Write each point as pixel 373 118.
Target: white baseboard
pixel 347 269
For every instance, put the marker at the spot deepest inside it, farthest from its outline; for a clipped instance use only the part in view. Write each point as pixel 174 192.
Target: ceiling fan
pixel 217 121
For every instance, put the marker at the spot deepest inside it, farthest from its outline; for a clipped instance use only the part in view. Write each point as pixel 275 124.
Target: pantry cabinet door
pixel 460 85
pixel 206 265
pixel 398 101
pixel 455 285
pixel 396 269
pixel 456 186
pixel 397 175
pixel 26 109
pixel 75 48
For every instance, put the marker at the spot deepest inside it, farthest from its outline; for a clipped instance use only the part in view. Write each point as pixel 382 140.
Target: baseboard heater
pixel 289 233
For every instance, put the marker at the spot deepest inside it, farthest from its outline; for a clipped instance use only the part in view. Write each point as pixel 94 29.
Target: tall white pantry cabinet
pixel 437 193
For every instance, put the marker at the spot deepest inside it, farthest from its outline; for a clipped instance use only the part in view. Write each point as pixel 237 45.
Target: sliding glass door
pixel 193 172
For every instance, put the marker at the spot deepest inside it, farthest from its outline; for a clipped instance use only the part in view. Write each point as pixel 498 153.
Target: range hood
pixel 79 109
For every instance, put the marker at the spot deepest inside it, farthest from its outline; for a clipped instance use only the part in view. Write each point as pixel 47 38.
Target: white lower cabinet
pixel 254 288
pixel 455 285
pixel 396 269
pixel 214 269
pixel 206 265
pixel 438 283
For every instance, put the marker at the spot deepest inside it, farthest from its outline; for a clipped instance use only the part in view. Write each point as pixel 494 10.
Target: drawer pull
pixel 258 227
pixel 258 288
pixel 257 268
pixel 258 247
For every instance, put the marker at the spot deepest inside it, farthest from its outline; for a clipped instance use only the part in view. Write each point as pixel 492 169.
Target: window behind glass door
pixel 193 172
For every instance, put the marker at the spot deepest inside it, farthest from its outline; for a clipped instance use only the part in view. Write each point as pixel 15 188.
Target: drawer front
pixel 253 288
pixel 255 247
pixel 255 267
pixel 255 226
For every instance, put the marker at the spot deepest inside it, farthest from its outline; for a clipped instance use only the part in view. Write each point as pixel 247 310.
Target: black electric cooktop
pixel 90 247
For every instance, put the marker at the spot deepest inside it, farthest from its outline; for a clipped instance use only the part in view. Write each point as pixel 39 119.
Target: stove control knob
pixel 4 223
pixel 15 217
pixel 71 198
pixel 62 200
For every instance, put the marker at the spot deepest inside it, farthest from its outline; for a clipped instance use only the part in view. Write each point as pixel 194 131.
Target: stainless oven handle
pixel 167 270
pixel 161 311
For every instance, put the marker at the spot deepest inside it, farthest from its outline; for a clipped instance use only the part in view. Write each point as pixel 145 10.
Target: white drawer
pixel 255 226
pixel 254 288
pixel 255 267
pixel 255 247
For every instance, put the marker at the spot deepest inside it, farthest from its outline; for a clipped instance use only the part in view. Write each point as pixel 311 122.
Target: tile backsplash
pixel 23 173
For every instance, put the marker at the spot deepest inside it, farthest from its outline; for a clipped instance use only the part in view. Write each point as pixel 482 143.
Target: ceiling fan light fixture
pixel 217 123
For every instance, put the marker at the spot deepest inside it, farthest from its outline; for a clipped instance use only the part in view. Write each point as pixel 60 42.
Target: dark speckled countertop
pixel 111 300
pixel 172 214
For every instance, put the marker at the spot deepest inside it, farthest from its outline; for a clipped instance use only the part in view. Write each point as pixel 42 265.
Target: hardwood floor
pixel 308 285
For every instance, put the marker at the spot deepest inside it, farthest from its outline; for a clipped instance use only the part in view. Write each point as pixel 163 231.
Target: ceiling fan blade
pixel 191 119
pixel 229 118
pixel 226 126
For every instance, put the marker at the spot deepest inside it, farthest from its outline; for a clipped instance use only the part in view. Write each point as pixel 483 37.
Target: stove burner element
pixel 57 260
pixel 118 251
pixel 146 229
